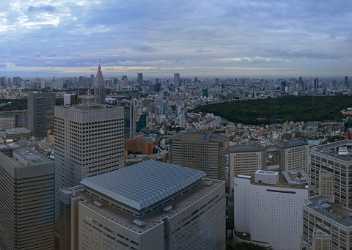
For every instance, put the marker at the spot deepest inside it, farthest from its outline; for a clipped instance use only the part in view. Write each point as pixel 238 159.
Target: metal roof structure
pixel 144 184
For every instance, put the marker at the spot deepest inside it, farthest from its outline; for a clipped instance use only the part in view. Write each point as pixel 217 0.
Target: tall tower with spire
pixel 99 87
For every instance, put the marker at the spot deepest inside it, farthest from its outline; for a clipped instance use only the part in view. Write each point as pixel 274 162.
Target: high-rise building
pixel 316 83
pixel 40 112
pixel 285 156
pixel 88 141
pixel 269 208
pixel 327 214
pixel 294 154
pixel 27 192
pixel 200 150
pixel 245 159
pixel 347 82
pixel 140 78
pixel 99 87
pixel 150 205
pixel 177 78
pixel 130 122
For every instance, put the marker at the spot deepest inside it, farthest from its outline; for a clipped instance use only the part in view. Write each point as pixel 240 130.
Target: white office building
pixel 270 212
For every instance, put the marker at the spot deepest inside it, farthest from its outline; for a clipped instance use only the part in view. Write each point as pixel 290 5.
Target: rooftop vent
pixel 343 150
pixel 139 223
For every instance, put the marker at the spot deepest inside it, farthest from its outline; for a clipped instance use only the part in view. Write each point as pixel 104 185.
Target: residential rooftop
pixel 144 184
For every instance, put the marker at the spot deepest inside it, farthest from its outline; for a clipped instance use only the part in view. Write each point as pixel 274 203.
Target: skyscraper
pixel 316 83
pixel 27 192
pixel 99 87
pixel 140 78
pixel 347 83
pixel 177 78
pixel 150 205
pixel 40 112
pixel 200 150
pixel 88 141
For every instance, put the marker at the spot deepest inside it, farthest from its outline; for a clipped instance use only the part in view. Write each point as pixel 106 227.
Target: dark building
pixel 40 112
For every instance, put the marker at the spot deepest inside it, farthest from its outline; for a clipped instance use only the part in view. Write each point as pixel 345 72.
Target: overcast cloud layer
pixel 194 37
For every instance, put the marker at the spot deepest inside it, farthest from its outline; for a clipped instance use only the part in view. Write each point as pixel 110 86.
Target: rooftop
pixel 144 184
pixel 150 220
pixel 27 156
pixel 246 148
pixel 200 137
pixel 331 210
pixel 341 150
pixel 293 143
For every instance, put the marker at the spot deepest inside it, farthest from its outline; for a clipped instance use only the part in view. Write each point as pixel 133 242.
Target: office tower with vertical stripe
pixel 27 192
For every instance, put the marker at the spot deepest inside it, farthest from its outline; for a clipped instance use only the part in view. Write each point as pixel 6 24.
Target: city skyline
pixel 207 38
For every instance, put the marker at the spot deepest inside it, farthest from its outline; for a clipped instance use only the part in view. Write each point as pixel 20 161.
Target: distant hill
pixel 278 110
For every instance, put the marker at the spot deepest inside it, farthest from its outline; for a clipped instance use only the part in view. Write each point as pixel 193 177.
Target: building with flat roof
pixel 200 150
pixel 150 205
pixel 245 159
pixel 289 155
pixel 326 224
pixel 89 141
pixel 327 215
pixel 40 112
pixel 27 192
pixel 334 159
pixel 269 208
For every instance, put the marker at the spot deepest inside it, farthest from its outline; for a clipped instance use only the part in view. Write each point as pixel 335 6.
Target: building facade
pixel 27 192
pixel 200 150
pixel 40 108
pixel 268 210
pixel 88 141
pixel 327 214
pixel 175 208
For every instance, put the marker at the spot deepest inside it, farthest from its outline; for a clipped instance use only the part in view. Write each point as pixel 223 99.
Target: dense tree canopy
pixel 277 110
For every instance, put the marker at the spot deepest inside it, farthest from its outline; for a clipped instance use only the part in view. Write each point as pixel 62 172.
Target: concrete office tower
pixel 245 159
pixel 332 219
pixel 88 141
pixel 270 209
pixel 329 208
pixel 200 150
pixel 140 78
pixel 150 205
pixel 177 78
pixel 294 155
pixel 99 87
pixel 336 159
pixel 40 112
pixel 129 107
pixel 27 191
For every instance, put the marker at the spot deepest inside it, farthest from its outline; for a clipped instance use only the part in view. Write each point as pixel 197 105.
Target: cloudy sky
pixel 194 37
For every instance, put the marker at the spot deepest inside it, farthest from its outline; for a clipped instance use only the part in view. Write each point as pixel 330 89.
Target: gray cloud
pixel 199 36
